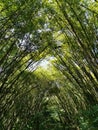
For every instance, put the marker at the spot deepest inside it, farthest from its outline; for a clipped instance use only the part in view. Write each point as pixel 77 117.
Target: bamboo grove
pixel 61 93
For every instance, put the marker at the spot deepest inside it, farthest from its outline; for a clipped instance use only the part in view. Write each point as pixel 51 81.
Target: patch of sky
pixel 44 63
pixel 26 43
pixel 45 28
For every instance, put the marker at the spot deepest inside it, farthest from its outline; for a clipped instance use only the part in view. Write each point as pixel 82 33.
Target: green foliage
pixel 64 34
pixel 89 118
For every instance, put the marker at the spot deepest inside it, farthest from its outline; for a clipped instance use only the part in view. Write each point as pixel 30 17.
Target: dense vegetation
pixel 48 65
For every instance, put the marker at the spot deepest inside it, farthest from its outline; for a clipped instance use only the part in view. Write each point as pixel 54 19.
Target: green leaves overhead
pixel 48 63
